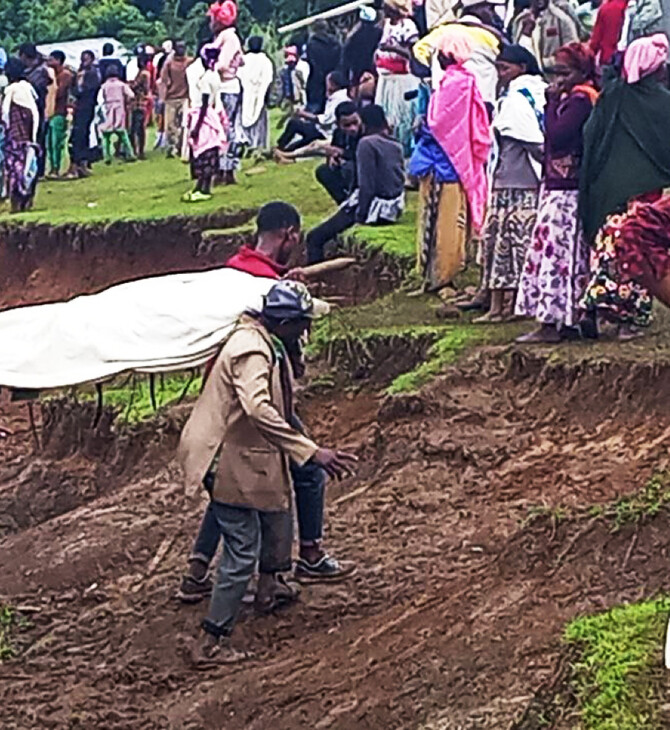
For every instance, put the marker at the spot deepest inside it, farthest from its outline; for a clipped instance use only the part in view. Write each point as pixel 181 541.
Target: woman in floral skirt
pixel 556 268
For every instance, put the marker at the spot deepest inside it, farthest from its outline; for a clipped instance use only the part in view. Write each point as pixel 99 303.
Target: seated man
pixel 338 174
pixel 238 440
pixel 379 198
pixel 305 128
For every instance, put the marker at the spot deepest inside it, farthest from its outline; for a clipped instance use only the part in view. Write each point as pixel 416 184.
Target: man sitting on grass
pixel 338 173
pixel 306 128
pixel 379 198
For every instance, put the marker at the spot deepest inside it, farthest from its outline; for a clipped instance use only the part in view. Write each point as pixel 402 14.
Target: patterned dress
pixel 556 269
pixel 625 302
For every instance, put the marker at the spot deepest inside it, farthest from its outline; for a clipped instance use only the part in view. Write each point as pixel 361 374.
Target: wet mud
pixel 454 617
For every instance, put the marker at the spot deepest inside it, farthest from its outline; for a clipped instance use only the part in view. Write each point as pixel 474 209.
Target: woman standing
pixel 626 157
pixel 85 93
pixel 392 63
pixel 20 119
pixel 223 16
pixel 141 87
pixel 256 77
pixel 449 160
pixel 113 100
pixel 206 123
pixel 556 268
pixel 518 125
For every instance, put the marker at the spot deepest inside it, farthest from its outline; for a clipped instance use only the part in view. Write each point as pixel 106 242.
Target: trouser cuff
pixel 213 629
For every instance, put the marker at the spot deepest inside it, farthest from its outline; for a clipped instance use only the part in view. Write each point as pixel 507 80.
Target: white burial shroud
pixel 160 324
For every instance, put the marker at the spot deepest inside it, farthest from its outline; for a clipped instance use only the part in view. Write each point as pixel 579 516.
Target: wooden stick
pixel 325 15
pixel 313 271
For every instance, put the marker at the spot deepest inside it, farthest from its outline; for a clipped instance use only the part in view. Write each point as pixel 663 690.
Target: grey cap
pixel 288 300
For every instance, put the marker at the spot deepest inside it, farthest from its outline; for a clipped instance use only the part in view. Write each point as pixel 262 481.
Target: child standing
pixel 113 99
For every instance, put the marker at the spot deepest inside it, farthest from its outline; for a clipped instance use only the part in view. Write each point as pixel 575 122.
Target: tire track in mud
pixel 453 618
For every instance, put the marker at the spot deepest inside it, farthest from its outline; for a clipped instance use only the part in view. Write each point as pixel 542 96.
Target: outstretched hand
pixel 337 464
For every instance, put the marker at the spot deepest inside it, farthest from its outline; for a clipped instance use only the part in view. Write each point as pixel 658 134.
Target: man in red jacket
pixel 278 236
pixel 607 30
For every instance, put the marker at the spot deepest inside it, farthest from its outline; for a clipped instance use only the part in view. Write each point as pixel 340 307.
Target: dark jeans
pixel 337 181
pixel 306 132
pixel 318 237
pixel 138 131
pixel 309 485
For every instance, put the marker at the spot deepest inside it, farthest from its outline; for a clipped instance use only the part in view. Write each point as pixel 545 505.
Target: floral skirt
pixel 619 301
pixel 507 236
pixel 556 269
pixel 205 164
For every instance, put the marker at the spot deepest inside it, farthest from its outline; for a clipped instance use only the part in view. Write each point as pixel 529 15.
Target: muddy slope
pixel 453 618
pixel 42 263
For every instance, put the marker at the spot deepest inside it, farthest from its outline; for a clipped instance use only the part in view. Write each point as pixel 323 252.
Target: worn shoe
pixel 192 590
pixel 325 570
pixel 211 652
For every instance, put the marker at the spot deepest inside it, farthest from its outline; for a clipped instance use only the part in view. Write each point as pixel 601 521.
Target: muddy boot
pixel 196 585
pixel 273 593
pixel 213 651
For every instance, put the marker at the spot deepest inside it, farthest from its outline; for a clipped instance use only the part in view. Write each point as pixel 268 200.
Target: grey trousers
pixel 241 530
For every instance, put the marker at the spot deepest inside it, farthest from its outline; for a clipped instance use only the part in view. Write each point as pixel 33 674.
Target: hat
pixel 367 14
pixel 288 300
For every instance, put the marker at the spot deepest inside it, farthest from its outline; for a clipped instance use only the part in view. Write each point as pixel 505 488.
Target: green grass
pixel 616 679
pixel 444 352
pixel 10 621
pixel 153 189
pixel 132 399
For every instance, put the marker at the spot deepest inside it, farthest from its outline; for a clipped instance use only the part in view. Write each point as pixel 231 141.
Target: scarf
pixel 626 152
pixel 256 75
pixel 458 120
pixel 22 94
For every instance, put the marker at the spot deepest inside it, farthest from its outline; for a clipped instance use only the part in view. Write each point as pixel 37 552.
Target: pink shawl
pixel 459 122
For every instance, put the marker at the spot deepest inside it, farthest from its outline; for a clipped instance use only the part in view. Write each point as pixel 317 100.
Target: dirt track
pixel 454 617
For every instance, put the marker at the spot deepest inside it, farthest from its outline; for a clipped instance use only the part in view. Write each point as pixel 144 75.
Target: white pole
pixel 325 15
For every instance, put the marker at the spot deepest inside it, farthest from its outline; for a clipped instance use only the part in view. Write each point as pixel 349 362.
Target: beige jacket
pixel 553 29
pixel 241 410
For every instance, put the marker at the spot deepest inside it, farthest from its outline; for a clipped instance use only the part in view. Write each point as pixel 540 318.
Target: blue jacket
pixel 429 158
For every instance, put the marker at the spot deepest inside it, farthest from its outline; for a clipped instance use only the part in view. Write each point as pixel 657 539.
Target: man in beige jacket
pixel 239 442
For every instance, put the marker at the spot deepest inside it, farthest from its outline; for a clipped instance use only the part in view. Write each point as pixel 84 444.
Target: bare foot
pixel 489 318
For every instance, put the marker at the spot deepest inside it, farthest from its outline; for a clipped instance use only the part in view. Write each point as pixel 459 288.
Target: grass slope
pixel 153 190
pixel 618 678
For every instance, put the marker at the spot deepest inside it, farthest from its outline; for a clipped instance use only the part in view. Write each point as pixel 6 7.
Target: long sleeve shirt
pixel 380 170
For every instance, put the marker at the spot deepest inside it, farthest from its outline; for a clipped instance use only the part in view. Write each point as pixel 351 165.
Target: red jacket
pixel 252 262
pixel 607 29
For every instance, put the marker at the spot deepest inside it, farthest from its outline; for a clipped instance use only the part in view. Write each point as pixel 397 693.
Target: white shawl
pixel 515 116
pixel 22 94
pixel 256 76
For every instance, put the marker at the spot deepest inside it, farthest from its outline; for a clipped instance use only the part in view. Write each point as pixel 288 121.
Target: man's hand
pixel 296 274
pixel 337 464
pixel 335 158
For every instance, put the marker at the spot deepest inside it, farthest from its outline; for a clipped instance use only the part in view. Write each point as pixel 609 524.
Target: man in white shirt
pixel 305 127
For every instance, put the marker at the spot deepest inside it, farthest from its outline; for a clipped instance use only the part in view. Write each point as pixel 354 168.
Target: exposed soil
pixel 42 263
pixel 454 617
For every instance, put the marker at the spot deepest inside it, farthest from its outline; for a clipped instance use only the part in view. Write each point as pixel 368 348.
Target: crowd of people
pixel 522 132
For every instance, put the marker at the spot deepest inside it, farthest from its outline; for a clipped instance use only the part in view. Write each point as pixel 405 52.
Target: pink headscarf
pixel 225 13
pixel 644 56
pixel 454 42
pixel 458 120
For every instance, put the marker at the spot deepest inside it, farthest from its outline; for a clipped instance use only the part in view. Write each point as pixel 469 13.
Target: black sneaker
pixel 325 570
pixel 192 590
